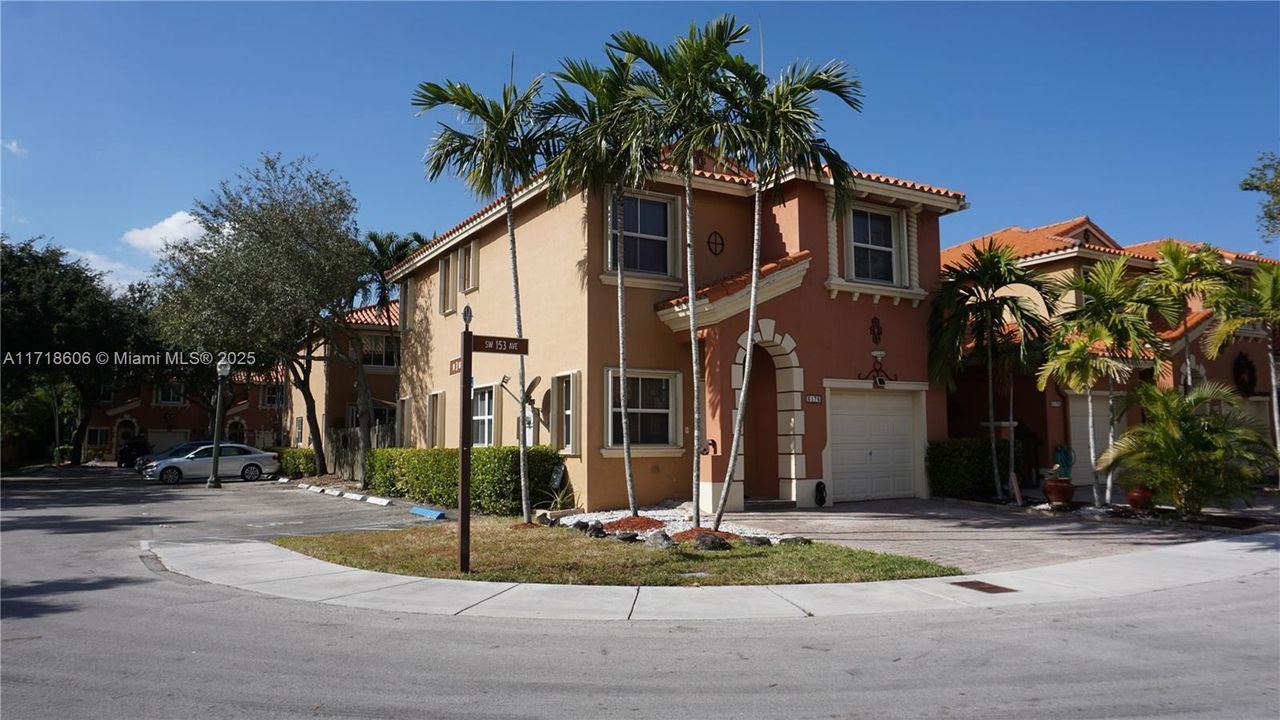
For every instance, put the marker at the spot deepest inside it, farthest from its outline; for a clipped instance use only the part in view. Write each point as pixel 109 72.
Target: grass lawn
pixel 563 555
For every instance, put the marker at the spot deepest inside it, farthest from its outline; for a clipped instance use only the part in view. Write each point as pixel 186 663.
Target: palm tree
pixel 1180 274
pixel 680 90
pixel 1250 304
pixel 1078 360
pixel 608 144
pixel 776 128
pixel 1122 306
pixel 386 250
pixel 500 152
pixel 1189 455
pixel 977 301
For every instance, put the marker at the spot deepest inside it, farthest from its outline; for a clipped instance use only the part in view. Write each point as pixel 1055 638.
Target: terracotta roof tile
pixel 1151 248
pixel 1033 242
pixel 731 284
pixel 1194 320
pixel 908 184
pixel 373 315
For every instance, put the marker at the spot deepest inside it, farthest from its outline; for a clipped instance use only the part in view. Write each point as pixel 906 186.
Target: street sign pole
pixel 464 450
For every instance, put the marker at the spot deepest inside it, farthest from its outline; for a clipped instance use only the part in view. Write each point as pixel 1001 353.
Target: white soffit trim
pixel 712 312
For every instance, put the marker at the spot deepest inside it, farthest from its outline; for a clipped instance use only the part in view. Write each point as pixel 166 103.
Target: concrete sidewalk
pixel 271 570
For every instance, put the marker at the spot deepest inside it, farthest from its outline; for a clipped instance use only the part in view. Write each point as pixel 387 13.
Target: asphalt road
pixel 90 631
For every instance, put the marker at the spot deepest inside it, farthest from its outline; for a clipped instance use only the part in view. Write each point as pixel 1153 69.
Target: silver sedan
pixel 243 461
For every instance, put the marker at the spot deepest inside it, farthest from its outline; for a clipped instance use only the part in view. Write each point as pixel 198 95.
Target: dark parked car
pixel 129 452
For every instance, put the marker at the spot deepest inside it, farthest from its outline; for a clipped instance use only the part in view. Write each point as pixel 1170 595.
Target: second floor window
pixel 273 396
pixel 170 394
pixel 297 432
pixel 468 267
pixel 381 351
pixel 448 286
pixel 874 247
pixel 646 235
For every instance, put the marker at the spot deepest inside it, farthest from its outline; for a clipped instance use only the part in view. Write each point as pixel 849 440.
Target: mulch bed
pixel 633 524
pixel 524 526
pixel 692 533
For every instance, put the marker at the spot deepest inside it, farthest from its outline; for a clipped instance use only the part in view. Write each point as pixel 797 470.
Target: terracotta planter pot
pixel 1140 497
pixel 1059 491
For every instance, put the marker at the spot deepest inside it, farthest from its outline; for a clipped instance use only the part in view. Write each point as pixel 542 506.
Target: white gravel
pixel 675 521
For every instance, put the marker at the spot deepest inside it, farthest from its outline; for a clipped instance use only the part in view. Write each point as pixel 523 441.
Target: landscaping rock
pixel 581 526
pixel 596 530
pixel 545 519
pixel 659 540
pixel 795 541
pixel 757 541
pixel 627 536
pixel 707 541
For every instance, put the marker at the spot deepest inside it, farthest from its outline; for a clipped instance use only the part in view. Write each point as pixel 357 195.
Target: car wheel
pixel 251 473
pixel 170 476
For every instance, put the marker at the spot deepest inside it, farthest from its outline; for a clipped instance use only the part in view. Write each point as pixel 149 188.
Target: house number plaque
pixel 813 398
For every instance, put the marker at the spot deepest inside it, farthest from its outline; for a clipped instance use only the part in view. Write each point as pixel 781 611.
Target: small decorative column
pixel 913 255
pixel 833 250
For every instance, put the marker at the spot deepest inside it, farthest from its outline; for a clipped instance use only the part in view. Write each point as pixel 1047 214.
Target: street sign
pixel 506 345
pixel 455 366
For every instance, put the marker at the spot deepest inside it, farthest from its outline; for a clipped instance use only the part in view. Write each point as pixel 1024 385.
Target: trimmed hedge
pixel 961 467
pixel 296 462
pixel 430 475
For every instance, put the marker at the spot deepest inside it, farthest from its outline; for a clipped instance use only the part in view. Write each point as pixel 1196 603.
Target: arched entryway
pixel 774 423
pixel 235 432
pixel 126 430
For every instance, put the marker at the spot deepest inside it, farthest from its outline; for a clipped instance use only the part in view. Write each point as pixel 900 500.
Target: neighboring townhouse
pixel 333 377
pixel 839 391
pixel 1057 416
pixel 165 415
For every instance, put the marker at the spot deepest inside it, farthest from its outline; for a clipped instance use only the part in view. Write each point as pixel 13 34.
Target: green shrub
pixel 430 475
pixel 961 467
pixel 62 454
pixel 296 462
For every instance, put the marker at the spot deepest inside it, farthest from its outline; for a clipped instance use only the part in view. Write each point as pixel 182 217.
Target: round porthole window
pixel 715 243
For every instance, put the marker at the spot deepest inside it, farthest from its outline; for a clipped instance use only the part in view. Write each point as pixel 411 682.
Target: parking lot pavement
pixel 975 539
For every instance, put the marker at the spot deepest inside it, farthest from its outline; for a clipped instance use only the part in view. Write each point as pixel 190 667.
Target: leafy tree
pixel 1193 449
pixel 607 143
pixel 1252 303
pixel 680 89
pixel 775 128
pixel 1182 273
pixel 977 302
pixel 498 151
pixel 1123 306
pixel 1078 360
pixel 277 268
pixel 1265 178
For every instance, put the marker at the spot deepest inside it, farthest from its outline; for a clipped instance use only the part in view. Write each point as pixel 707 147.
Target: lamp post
pixel 224 369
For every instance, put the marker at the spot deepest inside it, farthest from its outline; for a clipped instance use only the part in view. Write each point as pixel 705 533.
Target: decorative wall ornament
pixel 877 331
pixel 715 243
pixel 877 374
pixel 1244 374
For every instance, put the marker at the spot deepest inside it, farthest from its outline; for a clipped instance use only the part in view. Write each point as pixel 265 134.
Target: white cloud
pixel 16 148
pixel 181 225
pixel 119 274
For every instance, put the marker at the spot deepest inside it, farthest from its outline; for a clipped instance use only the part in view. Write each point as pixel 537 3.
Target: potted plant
pixel 1140 496
pixel 1058 489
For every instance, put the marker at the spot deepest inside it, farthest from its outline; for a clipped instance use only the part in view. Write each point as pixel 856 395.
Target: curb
pixel 1145 522
pixel 335 492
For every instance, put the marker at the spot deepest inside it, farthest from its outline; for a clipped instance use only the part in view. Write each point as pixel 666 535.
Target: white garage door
pixel 1081 473
pixel 164 439
pixel 873 441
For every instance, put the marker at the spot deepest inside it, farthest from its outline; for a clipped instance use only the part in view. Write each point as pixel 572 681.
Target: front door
pixel 760 429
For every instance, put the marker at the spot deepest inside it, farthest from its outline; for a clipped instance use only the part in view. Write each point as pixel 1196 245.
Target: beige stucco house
pixel 839 391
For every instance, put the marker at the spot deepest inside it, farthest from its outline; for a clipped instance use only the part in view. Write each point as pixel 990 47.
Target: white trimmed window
pixel 653 407
pixel 105 392
pixel 482 416
pixel 381 351
pixel 96 437
pixel 297 432
pixel 469 267
pixel 406 304
pixel 272 396
pixel 169 394
pixel 648 234
pixel 564 409
pixel 874 242
pixel 435 419
pixel 448 286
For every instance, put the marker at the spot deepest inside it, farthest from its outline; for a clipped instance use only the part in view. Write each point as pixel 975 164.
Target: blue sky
pixel 113 117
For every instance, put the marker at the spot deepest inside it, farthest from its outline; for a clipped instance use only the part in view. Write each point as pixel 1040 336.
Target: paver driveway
pixel 975 539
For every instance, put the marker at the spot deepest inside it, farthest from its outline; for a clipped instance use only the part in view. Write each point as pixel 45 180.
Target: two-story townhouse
pixel 1059 417
pixel 333 375
pixel 839 391
pixel 164 414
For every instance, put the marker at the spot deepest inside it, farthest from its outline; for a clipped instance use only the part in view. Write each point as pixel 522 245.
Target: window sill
pixel 645 451
pixel 380 369
pixel 647 282
pixel 470 290
pixel 876 292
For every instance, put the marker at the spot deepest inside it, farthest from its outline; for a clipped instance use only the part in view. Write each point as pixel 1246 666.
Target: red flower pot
pixel 1139 497
pixel 1059 491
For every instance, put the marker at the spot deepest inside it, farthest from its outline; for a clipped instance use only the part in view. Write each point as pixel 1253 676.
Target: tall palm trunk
pixel 752 311
pixel 695 357
pixel 1093 451
pixel 1186 353
pixel 365 414
pixel 619 253
pixel 1111 432
pixel 1013 474
pixel 991 410
pixel 525 505
pixel 1275 395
